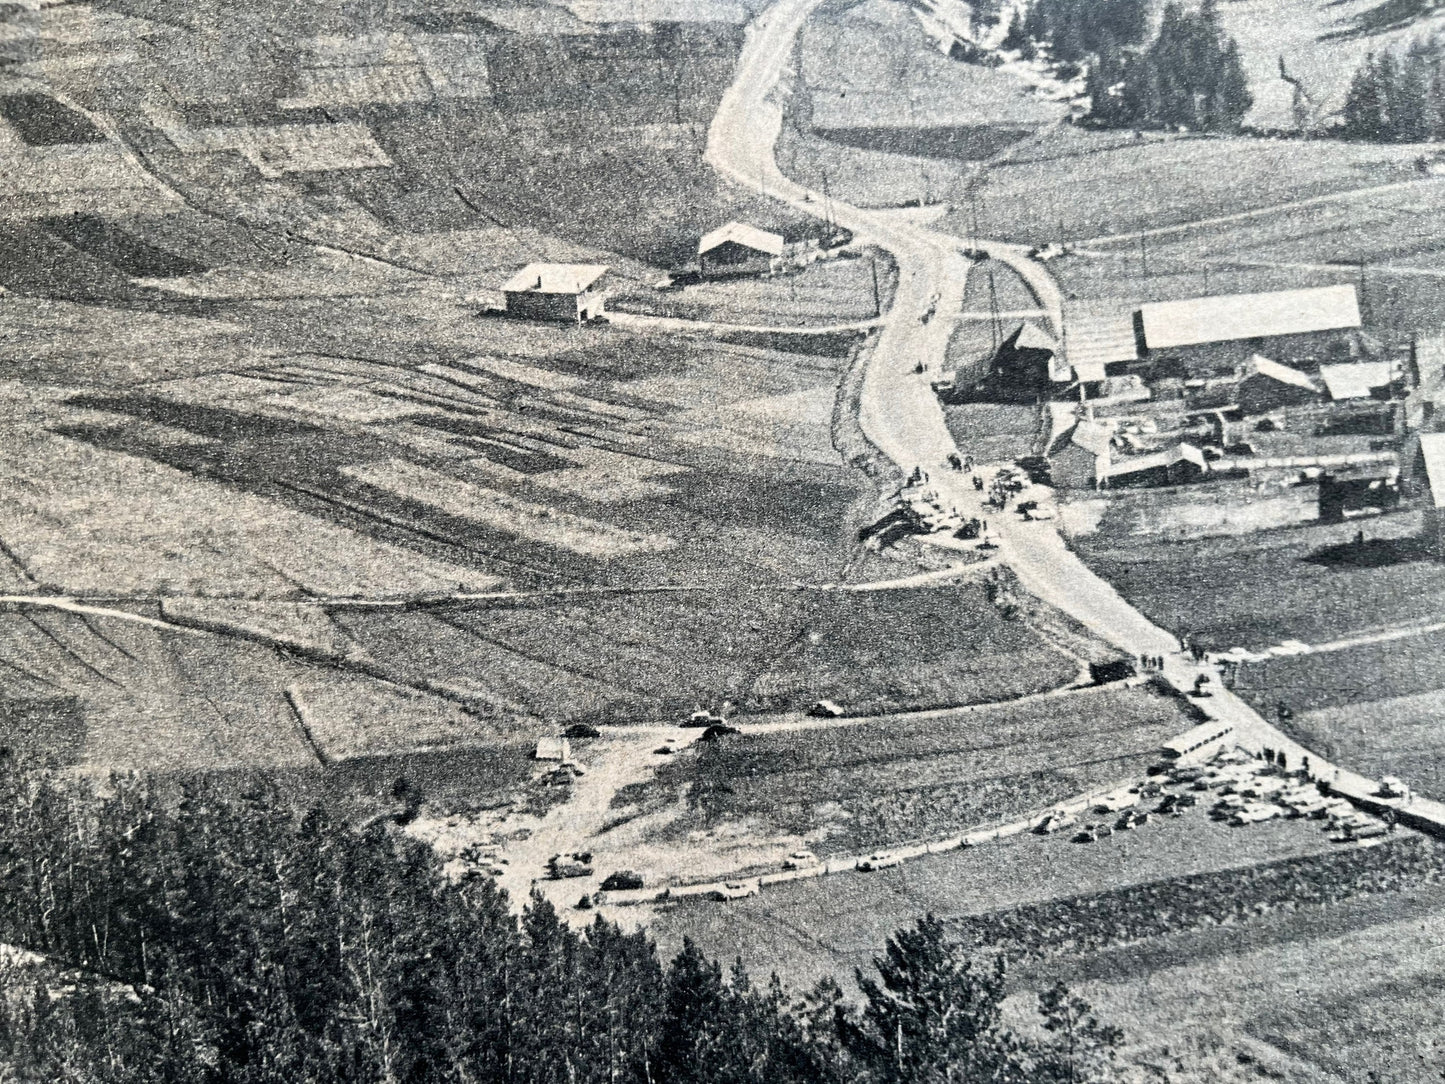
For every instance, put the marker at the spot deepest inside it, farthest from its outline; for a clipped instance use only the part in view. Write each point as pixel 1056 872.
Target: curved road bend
pixel 902 416
pixel 898 410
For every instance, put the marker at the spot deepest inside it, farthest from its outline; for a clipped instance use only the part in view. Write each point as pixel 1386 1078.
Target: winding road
pixel 903 418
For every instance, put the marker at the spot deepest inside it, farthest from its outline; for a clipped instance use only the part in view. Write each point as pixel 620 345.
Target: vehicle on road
pixel 702 719
pixel 1055 821
pixel 878 860
pixel 801 860
pixel 1255 813
pixel 1393 787
pixel 734 890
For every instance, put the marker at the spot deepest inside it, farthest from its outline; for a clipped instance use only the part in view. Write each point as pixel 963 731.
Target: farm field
pixel 845 789
pixel 833 291
pixel 1309 583
pixel 1270 998
pixel 806 929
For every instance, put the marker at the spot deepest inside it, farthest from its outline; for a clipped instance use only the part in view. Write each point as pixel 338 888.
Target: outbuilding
pixel 562 292
pixel 1432 452
pixel 1360 380
pixel 1169 467
pixel 1319 324
pixel 738 249
pixel 1082 456
pixel 1265 385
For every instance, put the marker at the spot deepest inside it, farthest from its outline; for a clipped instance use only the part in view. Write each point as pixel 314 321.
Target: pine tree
pixel 1364 110
pixel 932 1009
pixel 1081 1050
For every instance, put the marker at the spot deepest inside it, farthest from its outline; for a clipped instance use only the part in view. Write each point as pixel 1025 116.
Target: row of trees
pixel 1189 75
pixel 215 938
pixel 1075 30
pixel 1398 99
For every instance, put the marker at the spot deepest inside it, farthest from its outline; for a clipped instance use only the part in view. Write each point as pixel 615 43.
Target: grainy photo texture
pixel 722 541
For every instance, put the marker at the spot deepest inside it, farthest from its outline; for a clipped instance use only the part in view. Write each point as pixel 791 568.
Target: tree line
pixel 215 937
pixel 1188 75
pixel 1398 99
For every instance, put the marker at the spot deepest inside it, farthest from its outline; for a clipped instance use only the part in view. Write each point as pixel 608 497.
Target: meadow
pixel 1311 583
pixel 918 777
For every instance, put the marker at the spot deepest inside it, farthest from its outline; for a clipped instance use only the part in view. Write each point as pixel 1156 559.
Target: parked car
pixel 581 730
pixel 1132 818
pixel 623 880
pixel 800 860
pixel 1117 801
pixel 1055 822
pixel 878 860
pixel 734 890
pixel 825 709
pixel 1254 813
pixel 701 719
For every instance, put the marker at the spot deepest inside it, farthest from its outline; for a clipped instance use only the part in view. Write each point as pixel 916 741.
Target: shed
pixel 1266 385
pixel 1026 365
pixel 553 748
pixel 1359 380
pixel 1169 467
pixel 738 249
pixel 1432 451
pixel 1232 317
pixel 565 292
pixel 1082 458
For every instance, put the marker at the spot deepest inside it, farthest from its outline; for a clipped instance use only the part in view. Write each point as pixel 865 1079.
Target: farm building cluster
pixel 1265 391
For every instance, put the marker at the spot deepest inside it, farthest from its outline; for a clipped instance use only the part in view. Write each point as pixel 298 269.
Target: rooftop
pixel 1357 380
pixel 1432 447
pixel 1259 365
pixel 1167 457
pixel 1230 317
pixel 554 278
pixel 1096 340
pixel 740 233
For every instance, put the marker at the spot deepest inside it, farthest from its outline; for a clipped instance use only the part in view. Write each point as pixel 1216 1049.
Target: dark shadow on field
pixel 969 143
pixel 1134 961
pixel 299 465
pixel 1370 553
pixel 1383 17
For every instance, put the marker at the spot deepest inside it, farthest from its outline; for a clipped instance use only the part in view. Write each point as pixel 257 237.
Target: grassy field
pixel 1342 993
pixel 829 925
pixel 869 68
pixel 1309 583
pixel 849 788
pixel 828 292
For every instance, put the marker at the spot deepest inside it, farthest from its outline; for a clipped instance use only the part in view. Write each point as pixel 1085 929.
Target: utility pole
pixel 993 322
pixel 1364 304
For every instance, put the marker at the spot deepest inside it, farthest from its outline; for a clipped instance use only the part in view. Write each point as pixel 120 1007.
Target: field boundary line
pixel 1258 212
